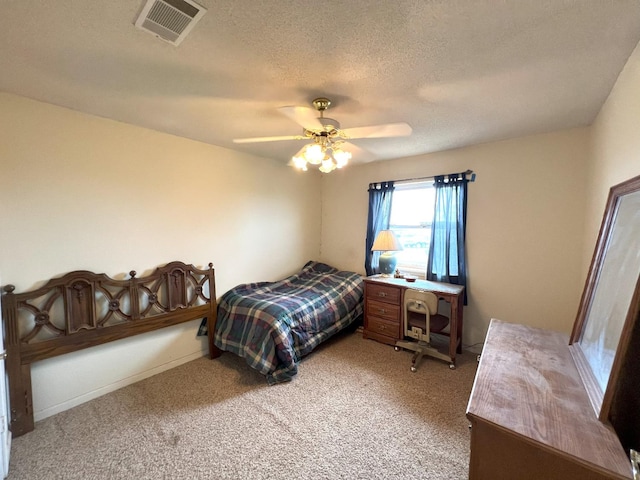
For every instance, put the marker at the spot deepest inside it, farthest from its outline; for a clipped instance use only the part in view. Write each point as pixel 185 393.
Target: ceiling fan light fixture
pixel 326 136
pixel 324 152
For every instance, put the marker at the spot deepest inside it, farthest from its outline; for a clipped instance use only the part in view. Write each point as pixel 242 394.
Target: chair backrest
pixel 420 301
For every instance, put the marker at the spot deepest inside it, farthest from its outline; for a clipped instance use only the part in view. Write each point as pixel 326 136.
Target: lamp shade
pixel 386 241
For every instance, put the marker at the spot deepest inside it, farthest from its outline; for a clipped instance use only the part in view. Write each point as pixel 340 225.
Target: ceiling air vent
pixel 170 20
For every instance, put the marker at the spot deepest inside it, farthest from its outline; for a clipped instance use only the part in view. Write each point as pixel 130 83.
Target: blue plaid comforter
pixel 272 325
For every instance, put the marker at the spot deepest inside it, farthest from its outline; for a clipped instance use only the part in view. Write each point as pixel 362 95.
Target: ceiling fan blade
pixel 360 155
pixel 306 117
pixel 379 131
pixel 268 139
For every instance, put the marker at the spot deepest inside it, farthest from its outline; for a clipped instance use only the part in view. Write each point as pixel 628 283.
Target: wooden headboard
pixel 83 309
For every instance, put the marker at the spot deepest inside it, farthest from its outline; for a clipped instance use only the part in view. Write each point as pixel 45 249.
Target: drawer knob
pixel 382 294
pixel 382 327
pixel 382 311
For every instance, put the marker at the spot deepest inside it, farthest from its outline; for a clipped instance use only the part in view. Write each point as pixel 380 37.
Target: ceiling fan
pixel 327 139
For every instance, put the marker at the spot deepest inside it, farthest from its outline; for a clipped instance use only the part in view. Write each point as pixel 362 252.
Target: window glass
pixel 411 219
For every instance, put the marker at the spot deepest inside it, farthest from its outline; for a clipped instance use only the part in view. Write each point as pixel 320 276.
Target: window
pixel 411 219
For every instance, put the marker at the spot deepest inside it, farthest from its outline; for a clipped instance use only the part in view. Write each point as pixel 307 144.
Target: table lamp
pixel 387 243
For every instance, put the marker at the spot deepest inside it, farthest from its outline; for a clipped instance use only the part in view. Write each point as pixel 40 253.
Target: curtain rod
pixel 468 172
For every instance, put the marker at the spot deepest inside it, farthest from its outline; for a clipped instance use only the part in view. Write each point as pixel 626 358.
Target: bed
pixel 272 325
pixel 82 309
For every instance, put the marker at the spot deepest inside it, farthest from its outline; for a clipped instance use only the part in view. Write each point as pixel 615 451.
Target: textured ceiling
pixel 459 72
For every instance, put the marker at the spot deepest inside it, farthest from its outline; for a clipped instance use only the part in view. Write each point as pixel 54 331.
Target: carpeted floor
pixel 353 411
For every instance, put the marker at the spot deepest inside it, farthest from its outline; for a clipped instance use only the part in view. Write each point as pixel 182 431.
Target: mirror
pixel 610 299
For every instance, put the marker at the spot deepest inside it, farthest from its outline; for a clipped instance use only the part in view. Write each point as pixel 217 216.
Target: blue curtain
pixel 380 195
pixel 447 255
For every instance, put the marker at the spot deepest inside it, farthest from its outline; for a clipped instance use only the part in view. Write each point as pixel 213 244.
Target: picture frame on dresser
pixel 604 341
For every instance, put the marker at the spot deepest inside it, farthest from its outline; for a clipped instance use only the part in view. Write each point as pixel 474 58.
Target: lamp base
pixel 387 264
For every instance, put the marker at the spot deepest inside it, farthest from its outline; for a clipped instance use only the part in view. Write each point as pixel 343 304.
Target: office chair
pixel 421 318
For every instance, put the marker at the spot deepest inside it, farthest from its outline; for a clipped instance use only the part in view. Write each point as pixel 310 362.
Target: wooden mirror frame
pixel 599 286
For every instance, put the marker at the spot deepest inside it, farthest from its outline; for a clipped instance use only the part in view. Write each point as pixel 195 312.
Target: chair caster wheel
pixel 452 366
pixel 414 369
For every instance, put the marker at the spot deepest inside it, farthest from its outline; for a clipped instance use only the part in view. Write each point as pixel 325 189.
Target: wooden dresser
pixel 383 312
pixel 530 415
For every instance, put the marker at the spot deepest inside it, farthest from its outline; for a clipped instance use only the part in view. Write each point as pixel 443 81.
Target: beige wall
pixel 530 243
pixel 81 192
pixel 615 147
pixel 525 224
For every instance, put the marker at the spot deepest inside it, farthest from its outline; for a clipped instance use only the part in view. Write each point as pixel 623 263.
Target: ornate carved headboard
pixel 83 309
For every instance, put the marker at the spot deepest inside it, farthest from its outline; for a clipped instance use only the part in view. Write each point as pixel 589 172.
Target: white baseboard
pixel 73 402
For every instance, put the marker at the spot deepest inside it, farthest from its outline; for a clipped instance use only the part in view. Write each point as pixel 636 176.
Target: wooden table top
pixel 527 383
pixel 419 284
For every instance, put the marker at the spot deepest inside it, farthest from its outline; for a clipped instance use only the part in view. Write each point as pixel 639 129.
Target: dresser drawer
pixel 383 293
pixel 383 310
pixel 380 326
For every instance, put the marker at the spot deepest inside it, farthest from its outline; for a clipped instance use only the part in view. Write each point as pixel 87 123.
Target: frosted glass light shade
pixel 300 163
pixel 327 165
pixel 313 154
pixel 341 157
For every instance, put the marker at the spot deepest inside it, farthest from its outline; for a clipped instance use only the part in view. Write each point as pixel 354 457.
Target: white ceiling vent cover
pixel 170 20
